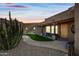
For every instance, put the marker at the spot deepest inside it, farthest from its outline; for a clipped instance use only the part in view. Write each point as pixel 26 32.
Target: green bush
pixel 38 37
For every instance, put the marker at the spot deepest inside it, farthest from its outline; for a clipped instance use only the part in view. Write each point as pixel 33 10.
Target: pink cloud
pixel 9 3
pixel 33 20
pixel 3 16
pixel 18 6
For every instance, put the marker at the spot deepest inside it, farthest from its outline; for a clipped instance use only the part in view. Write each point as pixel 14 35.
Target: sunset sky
pixel 32 12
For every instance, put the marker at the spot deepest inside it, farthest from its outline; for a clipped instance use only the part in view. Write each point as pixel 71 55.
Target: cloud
pixel 31 20
pixel 18 6
pixel 8 3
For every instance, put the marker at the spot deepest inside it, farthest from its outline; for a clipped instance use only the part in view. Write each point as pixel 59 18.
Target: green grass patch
pixel 38 37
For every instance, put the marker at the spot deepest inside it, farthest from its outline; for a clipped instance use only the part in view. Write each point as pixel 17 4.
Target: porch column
pixel 76 29
pixel 54 29
pixel 43 30
pixel 59 29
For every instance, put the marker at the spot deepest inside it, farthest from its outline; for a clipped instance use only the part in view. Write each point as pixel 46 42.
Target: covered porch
pixel 62 29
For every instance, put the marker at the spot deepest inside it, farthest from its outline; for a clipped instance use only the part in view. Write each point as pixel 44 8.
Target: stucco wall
pixel 30 28
pixel 38 30
pixel 70 34
pixel 77 29
pixel 64 30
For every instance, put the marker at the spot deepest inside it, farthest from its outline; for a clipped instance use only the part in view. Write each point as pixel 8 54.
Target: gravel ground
pixel 24 49
pixel 56 44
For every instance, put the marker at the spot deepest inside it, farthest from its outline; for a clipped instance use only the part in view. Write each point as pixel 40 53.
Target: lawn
pixel 39 38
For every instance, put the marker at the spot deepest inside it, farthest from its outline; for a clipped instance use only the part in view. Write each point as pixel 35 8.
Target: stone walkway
pixel 25 49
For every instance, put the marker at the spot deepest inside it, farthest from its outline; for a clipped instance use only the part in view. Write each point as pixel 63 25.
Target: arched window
pixel 26 28
pixel 34 28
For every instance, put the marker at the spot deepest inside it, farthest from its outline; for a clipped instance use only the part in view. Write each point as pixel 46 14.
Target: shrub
pixel 39 38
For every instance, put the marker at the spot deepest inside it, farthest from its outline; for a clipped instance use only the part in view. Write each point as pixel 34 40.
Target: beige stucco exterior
pixel 76 39
pixel 64 30
pixel 33 27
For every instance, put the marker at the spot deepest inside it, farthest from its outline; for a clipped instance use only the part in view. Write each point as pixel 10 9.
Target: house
pixel 65 24
pixel 61 24
pixel 58 24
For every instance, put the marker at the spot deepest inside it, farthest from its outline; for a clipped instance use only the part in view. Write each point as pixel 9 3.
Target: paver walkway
pixel 25 49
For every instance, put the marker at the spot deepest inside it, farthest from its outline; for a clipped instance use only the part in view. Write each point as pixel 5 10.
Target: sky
pixel 32 12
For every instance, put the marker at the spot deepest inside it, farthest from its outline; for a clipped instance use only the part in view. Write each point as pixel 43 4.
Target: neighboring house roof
pixel 33 24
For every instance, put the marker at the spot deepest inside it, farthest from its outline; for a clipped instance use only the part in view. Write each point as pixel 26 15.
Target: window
pixel 48 29
pixel 52 29
pixel 34 28
pixel 56 29
pixel 26 28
